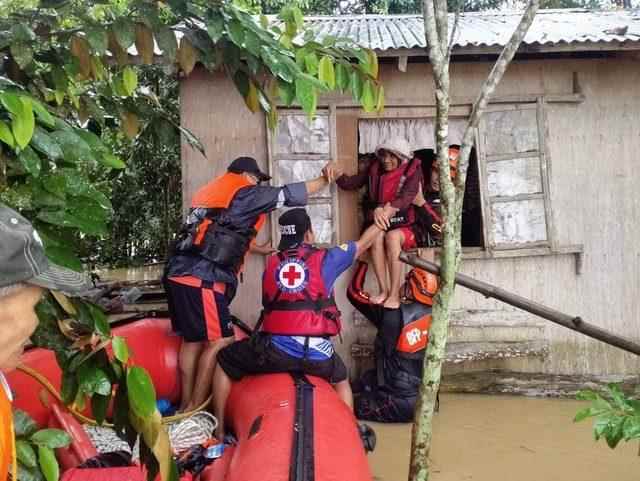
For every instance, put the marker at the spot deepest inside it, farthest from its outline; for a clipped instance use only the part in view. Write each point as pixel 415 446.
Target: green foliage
pixel 91 374
pixel 29 441
pixel 617 416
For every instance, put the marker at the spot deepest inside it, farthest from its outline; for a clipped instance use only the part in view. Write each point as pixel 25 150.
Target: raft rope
pixel 85 419
pixel 195 430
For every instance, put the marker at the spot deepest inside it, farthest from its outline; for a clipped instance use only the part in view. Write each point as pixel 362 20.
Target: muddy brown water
pixel 506 438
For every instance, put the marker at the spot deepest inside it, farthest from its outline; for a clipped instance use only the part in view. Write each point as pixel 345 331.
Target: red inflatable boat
pixel 287 429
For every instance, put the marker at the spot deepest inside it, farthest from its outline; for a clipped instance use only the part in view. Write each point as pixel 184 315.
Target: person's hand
pixel 380 218
pixel 331 171
pixel 264 249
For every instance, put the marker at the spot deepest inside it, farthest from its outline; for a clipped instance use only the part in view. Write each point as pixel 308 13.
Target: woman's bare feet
pixel 392 302
pixel 379 298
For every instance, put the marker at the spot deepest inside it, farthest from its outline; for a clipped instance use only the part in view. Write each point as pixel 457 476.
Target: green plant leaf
pixel 30 160
pixel 69 388
pixel 23 425
pixel 100 320
pixel 93 379
pixel 235 31
pixel 21 32
pixel 306 95
pixel 22 53
pixel 311 63
pixel 342 77
pixel 380 101
pixel 98 39
pixel 43 143
pixel 51 438
pixel 23 122
pixel 5 134
pixel 99 406
pixel 372 63
pixel 368 98
pixel 167 42
pixel 215 27
pixel 129 80
pixel 48 463
pixel 74 147
pixel 120 349
pixel 286 92
pixel 586 395
pixel 613 435
pixel 26 454
pixel 125 32
pixel 326 72
pixel 356 86
pixel 112 161
pixel 583 414
pixel 43 114
pixel 631 428
pixel 141 393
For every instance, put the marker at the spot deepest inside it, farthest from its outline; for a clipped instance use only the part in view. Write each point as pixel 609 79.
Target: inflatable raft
pixel 287 428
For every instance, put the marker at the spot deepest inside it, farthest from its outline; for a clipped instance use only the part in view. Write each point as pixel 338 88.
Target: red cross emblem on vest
pixel 292 275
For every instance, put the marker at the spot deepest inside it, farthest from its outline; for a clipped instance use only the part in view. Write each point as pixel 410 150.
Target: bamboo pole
pixel 575 323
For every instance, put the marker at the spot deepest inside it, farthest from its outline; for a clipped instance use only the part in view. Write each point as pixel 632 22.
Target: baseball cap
pixel 249 165
pixel 293 224
pixel 22 258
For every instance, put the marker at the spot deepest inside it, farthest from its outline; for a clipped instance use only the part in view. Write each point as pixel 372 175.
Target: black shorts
pixel 199 309
pixel 260 356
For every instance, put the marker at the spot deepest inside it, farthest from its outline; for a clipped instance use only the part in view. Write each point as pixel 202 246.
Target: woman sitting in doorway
pixel 393 180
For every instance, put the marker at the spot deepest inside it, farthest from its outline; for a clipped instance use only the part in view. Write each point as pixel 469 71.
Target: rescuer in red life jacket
pixel 299 314
pixel 393 182
pixel 24 272
pixel 201 276
pixel 389 392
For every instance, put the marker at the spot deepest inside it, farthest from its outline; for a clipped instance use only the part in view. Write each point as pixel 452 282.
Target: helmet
pixel 423 285
pixel 454 153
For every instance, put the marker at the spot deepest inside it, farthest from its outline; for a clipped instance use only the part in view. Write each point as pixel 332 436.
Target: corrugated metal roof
pixel 485 29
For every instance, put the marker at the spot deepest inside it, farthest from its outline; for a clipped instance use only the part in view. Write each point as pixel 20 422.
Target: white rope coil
pixel 183 435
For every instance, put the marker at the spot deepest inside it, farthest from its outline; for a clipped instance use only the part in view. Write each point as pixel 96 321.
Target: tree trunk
pixel 451 197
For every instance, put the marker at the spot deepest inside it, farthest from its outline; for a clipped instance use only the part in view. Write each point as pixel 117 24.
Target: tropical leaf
pixel 326 72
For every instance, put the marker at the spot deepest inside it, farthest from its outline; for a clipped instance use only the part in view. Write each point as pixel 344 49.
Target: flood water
pixel 507 438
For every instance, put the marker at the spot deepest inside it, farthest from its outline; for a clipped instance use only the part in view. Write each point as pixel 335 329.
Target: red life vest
pixel 295 300
pixel 385 186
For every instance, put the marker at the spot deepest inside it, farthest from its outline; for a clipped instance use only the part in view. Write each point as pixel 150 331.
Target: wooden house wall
pixel 595 201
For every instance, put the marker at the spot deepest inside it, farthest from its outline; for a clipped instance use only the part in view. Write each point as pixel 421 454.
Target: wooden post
pixel 574 323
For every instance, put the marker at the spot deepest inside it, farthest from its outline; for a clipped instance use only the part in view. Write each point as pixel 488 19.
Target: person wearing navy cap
pixel 299 314
pixel 201 275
